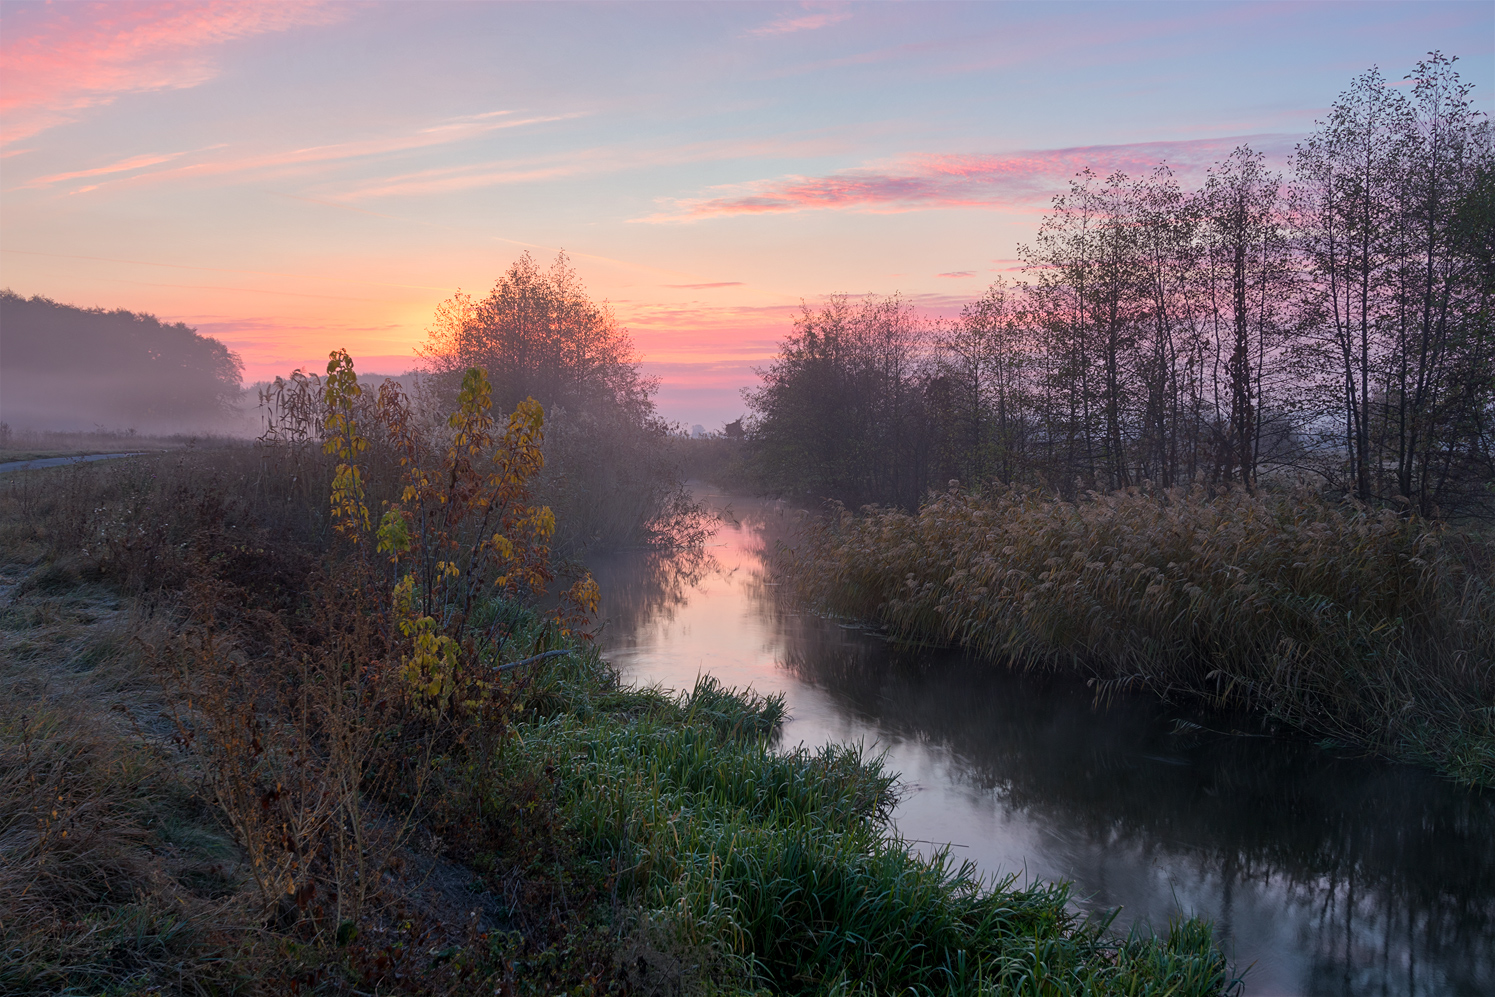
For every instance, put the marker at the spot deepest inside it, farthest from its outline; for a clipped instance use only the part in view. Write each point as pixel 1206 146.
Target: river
pixel 1322 874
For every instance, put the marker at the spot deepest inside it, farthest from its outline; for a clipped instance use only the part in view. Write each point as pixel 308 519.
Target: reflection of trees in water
pixel 638 588
pixel 1389 873
pixel 641 587
pixel 1394 868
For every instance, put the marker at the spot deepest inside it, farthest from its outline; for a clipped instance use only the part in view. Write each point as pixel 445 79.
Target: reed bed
pixel 1366 628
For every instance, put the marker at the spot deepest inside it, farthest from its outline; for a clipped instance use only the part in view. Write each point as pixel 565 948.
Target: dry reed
pixel 1364 627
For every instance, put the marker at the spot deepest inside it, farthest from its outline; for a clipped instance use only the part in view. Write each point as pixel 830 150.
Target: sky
pixel 296 178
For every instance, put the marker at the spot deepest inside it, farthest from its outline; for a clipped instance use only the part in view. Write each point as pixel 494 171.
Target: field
pixel 37 445
pixel 278 720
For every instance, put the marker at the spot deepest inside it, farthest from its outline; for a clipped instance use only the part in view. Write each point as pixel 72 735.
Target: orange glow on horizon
pixel 293 178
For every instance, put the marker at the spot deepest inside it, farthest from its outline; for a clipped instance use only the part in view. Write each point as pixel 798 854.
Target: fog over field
pixel 68 368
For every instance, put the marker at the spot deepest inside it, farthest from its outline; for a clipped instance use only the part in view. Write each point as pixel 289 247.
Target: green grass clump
pixel 1368 628
pixel 777 869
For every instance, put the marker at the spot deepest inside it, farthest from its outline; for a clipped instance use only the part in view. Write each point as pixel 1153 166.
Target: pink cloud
pixel 789 24
pixel 957 274
pixel 62 59
pixel 705 287
pixel 694 333
pixel 122 166
pixel 1023 179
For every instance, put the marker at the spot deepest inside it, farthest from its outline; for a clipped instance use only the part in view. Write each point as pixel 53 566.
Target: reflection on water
pixel 1326 875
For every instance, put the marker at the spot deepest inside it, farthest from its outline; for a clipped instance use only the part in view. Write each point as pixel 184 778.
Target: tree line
pixel 1333 320
pixel 76 368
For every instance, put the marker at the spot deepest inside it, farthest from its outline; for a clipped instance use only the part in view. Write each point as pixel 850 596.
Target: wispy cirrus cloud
pixel 787 24
pixel 281 161
pixel 126 165
pixel 705 287
pixel 344 192
pixel 1021 179
pixel 56 61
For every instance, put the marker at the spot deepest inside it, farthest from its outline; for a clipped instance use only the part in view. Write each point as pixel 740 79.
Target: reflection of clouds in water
pixel 1333 876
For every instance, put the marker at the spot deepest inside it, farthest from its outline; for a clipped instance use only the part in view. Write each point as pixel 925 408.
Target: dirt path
pixel 27 465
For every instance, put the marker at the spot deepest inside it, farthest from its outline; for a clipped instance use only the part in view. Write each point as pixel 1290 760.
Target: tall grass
pixel 777 868
pixel 1365 627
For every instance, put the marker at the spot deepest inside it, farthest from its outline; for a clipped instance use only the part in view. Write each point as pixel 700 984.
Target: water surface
pixel 1323 874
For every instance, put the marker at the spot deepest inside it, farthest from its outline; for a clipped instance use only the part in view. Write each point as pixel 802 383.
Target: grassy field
pixel 37 445
pixel 6 456
pixel 243 751
pixel 1363 627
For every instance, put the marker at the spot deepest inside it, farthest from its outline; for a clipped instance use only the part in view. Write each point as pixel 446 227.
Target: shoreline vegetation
pixel 261 734
pixel 1358 626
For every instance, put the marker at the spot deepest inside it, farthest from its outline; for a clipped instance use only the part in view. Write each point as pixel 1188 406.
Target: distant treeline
pixel 69 368
pixel 1336 322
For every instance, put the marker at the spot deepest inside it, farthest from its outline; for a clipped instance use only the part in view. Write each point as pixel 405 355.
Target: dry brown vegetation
pixel 216 735
pixel 252 743
pixel 1365 627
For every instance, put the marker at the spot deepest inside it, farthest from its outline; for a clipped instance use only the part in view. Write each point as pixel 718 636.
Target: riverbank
pixel 1366 629
pixel 194 662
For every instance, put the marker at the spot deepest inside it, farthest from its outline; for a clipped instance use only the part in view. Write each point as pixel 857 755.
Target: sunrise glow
pixel 293 178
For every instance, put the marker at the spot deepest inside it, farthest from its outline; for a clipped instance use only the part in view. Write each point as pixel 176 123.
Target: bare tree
pixel 984 357
pixel 1247 279
pixel 1341 324
pixel 1344 202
